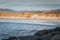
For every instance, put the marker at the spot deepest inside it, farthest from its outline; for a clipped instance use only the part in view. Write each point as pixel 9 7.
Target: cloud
pixel 30 4
pixel 3 5
pixel 35 1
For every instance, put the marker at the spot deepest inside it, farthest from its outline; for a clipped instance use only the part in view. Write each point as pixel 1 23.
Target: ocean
pixel 25 27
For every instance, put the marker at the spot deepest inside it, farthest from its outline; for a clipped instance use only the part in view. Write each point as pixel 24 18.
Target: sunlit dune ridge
pixel 30 15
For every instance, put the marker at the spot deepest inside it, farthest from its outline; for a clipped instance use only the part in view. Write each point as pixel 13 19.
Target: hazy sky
pixel 30 4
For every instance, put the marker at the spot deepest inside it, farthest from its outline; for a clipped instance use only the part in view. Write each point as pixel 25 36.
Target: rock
pixel 56 37
pixel 47 34
pixel 57 29
pixel 42 32
pixel 12 38
pixel 4 39
pixel 27 38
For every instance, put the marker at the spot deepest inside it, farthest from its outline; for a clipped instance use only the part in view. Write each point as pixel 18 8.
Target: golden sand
pixel 30 16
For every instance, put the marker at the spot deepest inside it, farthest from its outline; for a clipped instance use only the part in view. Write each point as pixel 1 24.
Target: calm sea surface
pixel 25 27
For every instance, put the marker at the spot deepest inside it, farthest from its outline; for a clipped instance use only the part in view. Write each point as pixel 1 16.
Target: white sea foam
pixel 46 22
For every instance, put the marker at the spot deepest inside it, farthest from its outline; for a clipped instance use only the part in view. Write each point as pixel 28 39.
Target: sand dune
pixel 30 15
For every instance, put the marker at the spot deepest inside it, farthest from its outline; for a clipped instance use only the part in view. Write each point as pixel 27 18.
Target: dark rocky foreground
pixel 51 34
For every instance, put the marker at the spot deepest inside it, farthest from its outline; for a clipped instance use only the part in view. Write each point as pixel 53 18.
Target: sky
pixel 21 5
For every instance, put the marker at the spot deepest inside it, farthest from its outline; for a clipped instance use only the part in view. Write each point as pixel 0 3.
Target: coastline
pixel 46 22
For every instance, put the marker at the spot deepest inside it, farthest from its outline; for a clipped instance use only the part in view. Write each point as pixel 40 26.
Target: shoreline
pixel 25 19
pixel 46 22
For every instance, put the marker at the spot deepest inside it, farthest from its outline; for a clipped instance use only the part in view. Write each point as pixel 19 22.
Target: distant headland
pixel 11 14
